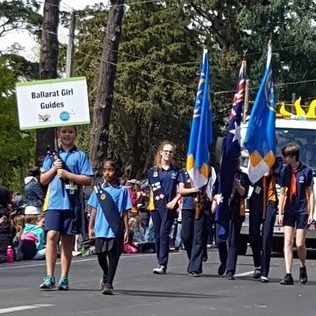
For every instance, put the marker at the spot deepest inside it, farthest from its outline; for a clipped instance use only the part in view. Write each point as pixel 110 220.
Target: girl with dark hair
pixel 108 225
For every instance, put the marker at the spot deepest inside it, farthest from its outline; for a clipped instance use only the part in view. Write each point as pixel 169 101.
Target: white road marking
pixel 244 274
pixel 23 308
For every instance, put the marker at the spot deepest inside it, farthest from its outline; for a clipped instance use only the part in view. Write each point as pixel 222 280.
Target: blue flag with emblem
pixel 201 130
pixel 260 136
pixel 231 153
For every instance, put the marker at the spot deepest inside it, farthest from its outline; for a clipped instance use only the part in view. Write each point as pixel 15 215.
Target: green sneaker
pixel 63 284
pixel 48 282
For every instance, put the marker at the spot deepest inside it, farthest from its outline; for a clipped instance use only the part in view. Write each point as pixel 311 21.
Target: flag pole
pixel 246 96
pixel 246 101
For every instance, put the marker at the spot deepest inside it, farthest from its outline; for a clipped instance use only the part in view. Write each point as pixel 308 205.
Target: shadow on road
pixel 165 294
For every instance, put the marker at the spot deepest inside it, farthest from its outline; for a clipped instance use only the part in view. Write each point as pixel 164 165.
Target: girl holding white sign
pixel 64 171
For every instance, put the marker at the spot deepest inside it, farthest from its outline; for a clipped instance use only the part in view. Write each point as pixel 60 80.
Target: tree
pixel 231 28
pixel 291 26
pixel 105 91
pixel 48 67
pixel 19 15
pixel 156 84
pixel 156 81
pixel 16 147
pixel 160 54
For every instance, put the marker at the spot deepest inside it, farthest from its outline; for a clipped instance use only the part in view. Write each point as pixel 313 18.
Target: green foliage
pixel 90 27
pixel 156 83
pixel 230 28
pixel 16 147
pixel 159 59
pixel 19 14
pixel 291 26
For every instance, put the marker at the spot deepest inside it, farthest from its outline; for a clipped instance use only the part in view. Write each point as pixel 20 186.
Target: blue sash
pixel 109 208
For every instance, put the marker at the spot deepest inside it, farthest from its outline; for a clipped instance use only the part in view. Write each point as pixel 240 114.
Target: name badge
pixel 258 190
pixel 71 187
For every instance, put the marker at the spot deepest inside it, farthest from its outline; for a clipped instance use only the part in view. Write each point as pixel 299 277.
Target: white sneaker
pixel 160 270
pixel 264 279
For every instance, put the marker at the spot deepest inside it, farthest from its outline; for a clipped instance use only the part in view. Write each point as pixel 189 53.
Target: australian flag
pixel 231 153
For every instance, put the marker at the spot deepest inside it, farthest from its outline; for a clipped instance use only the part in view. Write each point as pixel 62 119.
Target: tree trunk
pixel 48 68
pixel 105 90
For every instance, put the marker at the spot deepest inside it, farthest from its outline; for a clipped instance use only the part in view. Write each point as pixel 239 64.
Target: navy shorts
pixel 296 220
pixel 63 221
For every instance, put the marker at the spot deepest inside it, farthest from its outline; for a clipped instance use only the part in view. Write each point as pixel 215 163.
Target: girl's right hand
pixel 126 236
pixel 58 164
pixel 310 220
pixel 280 219
pixel 91 233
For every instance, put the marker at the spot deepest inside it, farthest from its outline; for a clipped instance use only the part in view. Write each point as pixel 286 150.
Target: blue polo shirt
pixel 188 200
pixel 121 199
pixel 77 163
pixel 166 180
pixel 304 179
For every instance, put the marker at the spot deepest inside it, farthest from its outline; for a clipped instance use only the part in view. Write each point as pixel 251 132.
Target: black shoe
pixel 204 258
pixel 264 279
pixel 230 276
pixel 287 280
pixel 303 275
pixel 256 273
pixel 221 269
pixel 194 274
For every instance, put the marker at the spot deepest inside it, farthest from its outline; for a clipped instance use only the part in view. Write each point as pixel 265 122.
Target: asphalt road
pixel 138 292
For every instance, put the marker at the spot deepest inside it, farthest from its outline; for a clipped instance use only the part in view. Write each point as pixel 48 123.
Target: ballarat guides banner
pixel 53 103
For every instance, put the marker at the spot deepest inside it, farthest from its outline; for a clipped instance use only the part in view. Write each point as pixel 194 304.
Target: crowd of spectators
pixel 22 221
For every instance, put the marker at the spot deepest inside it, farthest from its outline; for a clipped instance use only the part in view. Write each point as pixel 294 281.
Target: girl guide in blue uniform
pixel 296 208
pixel 195 228
pixel 64 171
pixel 110 203
pixel 163 180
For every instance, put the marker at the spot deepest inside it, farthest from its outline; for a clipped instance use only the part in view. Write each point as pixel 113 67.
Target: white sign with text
pixel 53 103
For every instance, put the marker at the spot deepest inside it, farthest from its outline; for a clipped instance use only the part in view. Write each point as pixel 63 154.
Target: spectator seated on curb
pixel 31 245
pixel 137 238
pixel 6 230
